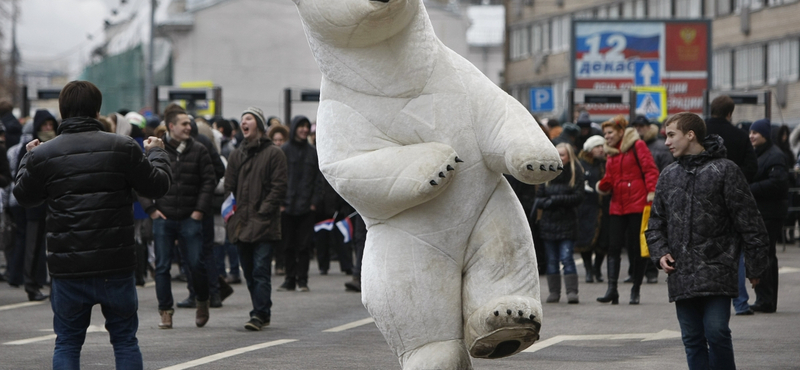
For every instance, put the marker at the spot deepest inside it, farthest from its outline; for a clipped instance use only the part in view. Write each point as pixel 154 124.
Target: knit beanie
pixel 592 142
pixel 763 127
pixel 259 115
pixel 584 120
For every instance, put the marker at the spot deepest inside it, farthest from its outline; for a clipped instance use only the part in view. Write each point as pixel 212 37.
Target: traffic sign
pixel 646 73
pixel 542 99
pixel 651 102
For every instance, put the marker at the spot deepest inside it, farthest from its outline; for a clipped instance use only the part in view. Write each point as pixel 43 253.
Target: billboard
pixel 622 54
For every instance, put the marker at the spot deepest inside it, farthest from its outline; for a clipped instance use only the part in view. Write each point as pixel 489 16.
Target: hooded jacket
pixel 737 144
pixel 85 176
pixel 658 149
pixel 13 129
pixel 304 176
pixel 193 183
pixel 590 210
pixel 703 214
pixel 256 175
pixel 770 187
pixel 631 174
pixel 560 202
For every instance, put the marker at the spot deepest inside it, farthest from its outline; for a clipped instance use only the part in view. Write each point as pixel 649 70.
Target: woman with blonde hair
pixel 631 176
pixel 559 200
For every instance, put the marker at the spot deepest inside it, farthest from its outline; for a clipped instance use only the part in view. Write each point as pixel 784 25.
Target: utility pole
pixel 14 53
pixel 148 79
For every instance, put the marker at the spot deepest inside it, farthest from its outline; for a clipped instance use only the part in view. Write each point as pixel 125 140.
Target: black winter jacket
pixel 85 176
pixel 193 183
pixel 702 215
pixel 13 129
pixel 590 209
pixel 305 179
pixel 737 144
pixel 560 202
pixel 770 187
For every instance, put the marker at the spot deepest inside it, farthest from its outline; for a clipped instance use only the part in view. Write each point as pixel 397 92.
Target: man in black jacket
pixel 735 140
pixel 11 125
pixel 179 214
pixel 304 190
pixel 770 188
pixel 85 176
pixel 703 215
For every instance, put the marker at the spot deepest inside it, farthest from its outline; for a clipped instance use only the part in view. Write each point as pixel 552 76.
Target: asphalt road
pixel 328 328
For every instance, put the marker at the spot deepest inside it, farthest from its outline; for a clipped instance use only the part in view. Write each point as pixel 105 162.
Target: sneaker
pixel 302 287
pixel 187 303
pixel 255 324
pixel 287 286
pixel 166 319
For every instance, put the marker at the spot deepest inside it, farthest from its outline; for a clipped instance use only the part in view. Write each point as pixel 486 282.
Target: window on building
pixel 723 7
pixel 602 12
pixel 688 8
pixel 783 61
pixel 640 9
pixel 613 11
pixel 627 10
pixel 722 69
pixel 584 14
pixel 749 70
pixel 519 43
pixel 546 37
pixel 659 8
pixel 536 39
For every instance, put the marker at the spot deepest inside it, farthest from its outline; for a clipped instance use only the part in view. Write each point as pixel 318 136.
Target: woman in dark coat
pixel 559 199
pixel 590 212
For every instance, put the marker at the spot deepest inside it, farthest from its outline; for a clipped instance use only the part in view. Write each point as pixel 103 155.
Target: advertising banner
pixel 622 54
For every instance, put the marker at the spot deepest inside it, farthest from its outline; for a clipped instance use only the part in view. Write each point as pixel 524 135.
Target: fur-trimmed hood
pixel 651 134
pixel 628 139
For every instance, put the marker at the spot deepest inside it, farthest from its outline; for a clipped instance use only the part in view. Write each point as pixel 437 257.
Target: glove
pixel 650 197
pixel 586 187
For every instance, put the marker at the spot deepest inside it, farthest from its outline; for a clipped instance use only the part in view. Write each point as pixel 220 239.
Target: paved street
pixel 328 328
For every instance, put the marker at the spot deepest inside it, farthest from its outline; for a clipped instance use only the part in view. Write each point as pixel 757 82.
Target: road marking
pixel 787 270
pixel 664 334
pixel 226 354
pixel 351 325
pixel 19 305
pixel 90 329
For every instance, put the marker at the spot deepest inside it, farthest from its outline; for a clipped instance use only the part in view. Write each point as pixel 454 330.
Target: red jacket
pixel 627 181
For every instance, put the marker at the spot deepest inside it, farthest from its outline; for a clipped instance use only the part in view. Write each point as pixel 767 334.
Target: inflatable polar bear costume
pixel 417 139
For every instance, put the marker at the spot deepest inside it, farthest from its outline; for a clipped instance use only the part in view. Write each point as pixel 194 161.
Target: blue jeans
pixel 229 249
pixel 72 301
pixel 560 250
pixel 705 332
pixel 190 232
pixel 740 303
pixel 256 260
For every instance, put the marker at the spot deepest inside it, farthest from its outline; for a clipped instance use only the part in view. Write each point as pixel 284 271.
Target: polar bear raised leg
pixel 413 291
pixel 502 310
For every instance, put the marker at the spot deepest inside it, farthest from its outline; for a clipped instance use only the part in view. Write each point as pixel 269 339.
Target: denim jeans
pixel 705 332
pixel 560 250
pixel 165 233
pixel 227 249
pixel 72 301
pixel 740 303
pixel 256 260
pixel 210 259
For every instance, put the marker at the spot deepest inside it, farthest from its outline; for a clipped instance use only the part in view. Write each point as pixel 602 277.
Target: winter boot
pixel 587 263
pixel 201 317
pixel 166 319
pixel 354 285
pixel 554 283
pixel 598 263
pixel 635 294
pixel 571 284
pixel 612 295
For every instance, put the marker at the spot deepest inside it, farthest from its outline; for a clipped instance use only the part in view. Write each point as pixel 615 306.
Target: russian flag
pixel 346 228
pixel 636 46
pixel 228 207
pixel 324 225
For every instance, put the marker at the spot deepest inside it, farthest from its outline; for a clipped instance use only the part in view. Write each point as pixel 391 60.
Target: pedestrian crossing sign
pixel 651 102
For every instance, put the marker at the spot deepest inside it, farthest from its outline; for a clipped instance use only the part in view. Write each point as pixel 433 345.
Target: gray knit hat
pixel 259 115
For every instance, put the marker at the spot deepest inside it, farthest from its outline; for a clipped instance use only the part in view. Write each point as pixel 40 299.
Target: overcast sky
pixel 52 33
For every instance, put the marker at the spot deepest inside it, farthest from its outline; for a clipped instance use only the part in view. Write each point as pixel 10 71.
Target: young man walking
pixel 702 215
pixel 179 214
pixel 256 176
pixel 85 177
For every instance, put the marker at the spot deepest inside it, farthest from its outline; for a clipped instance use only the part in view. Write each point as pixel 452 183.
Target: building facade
pixel 755 46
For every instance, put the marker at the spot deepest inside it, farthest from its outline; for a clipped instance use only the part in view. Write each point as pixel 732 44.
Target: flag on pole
pixel 228 207
pixel 346 228
pixel 324 225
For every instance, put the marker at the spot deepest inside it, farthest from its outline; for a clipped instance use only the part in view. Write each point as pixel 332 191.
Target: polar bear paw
pixel 442 175
pixel 503 327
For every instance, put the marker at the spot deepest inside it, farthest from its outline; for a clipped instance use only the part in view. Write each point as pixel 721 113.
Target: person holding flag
pixel 334 231
pixel 256 178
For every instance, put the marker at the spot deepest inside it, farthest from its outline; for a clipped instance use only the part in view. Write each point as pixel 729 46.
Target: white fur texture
pixel 449 267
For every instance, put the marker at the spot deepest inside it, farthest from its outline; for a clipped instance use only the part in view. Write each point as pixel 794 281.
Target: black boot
pixel 587 263
pixel 612 295
pixel 598 263
pixel 635 294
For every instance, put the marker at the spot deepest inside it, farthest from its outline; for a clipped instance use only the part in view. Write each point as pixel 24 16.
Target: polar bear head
pixel 356 23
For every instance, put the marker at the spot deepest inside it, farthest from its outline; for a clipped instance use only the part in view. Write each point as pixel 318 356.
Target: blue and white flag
pixel 228 207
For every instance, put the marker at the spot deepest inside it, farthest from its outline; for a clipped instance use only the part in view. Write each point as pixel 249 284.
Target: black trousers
pixel 767 288
pixel 296 232
pixel 625 231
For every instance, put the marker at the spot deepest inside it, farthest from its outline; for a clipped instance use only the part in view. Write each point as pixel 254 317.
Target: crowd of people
pixel 249 191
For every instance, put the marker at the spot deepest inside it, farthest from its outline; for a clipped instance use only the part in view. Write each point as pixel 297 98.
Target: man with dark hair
pixel 12 126
pixel 770 188
pixel 179 214
pixel 703 215
pixel 736 142
pixel 85 176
